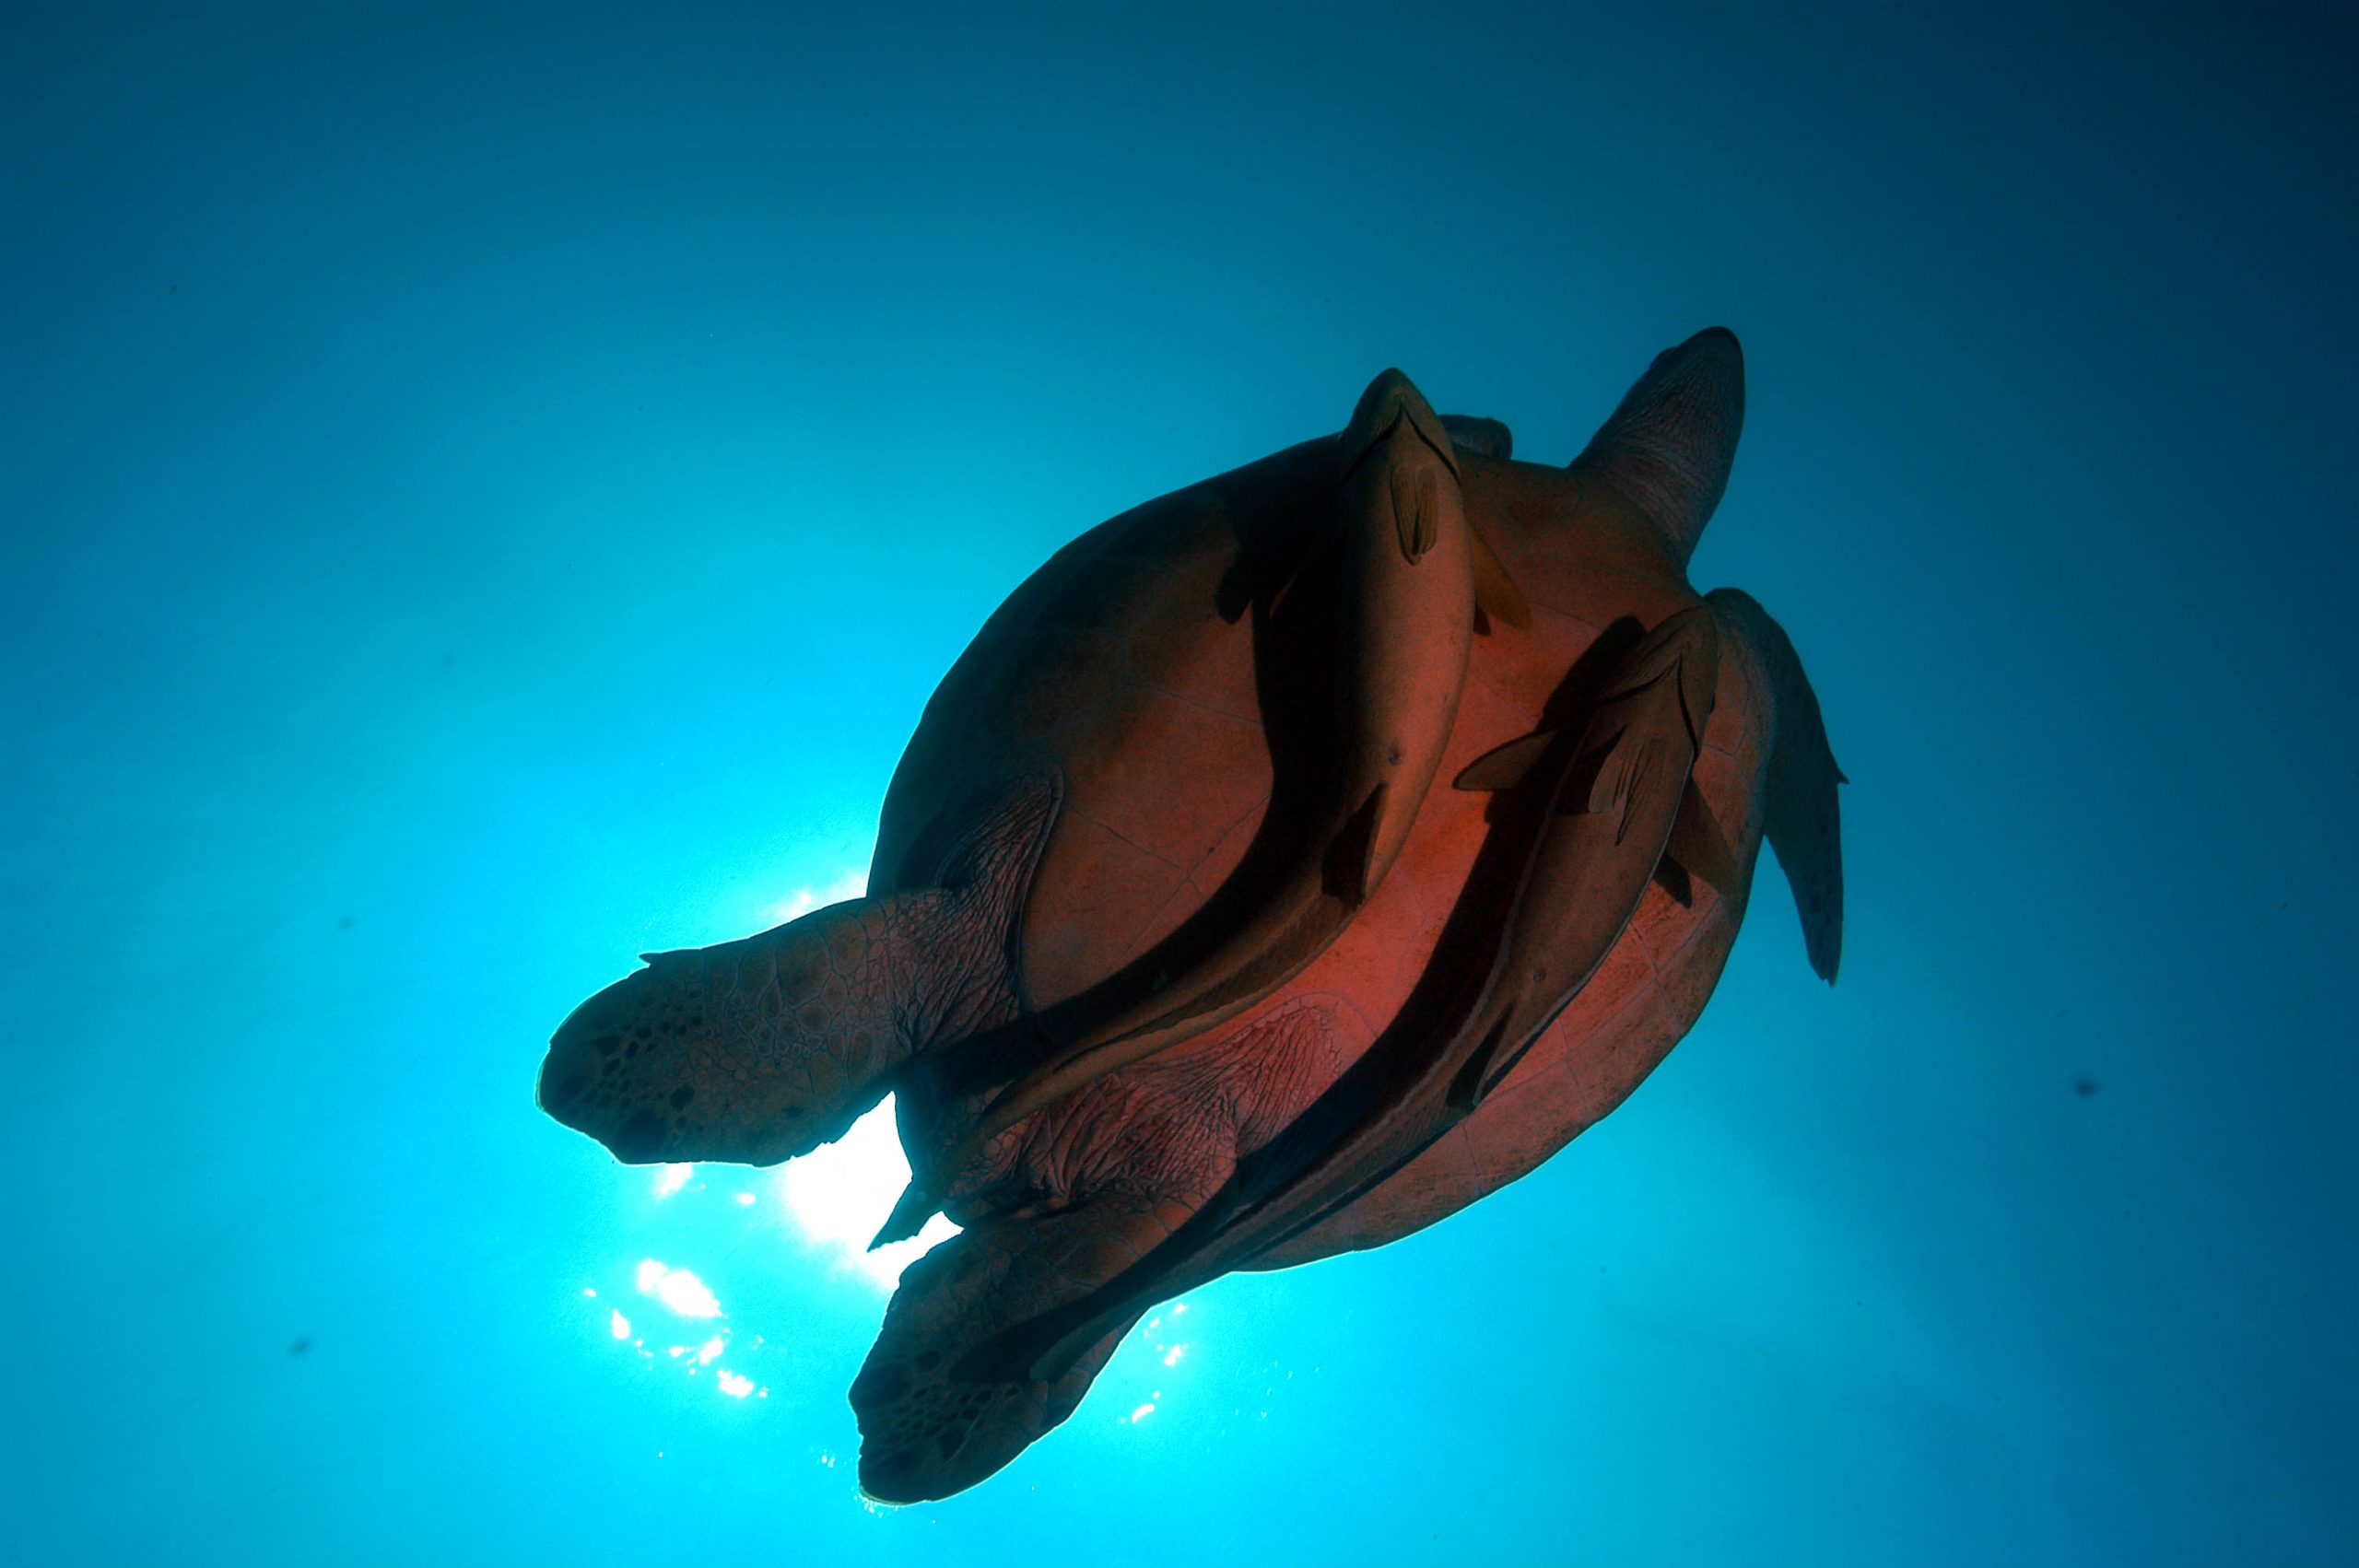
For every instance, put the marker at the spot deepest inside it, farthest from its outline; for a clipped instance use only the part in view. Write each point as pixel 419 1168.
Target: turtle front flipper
pixel 946 1398
pixel 1406 562
pixel 757 1050
pixel 1804 819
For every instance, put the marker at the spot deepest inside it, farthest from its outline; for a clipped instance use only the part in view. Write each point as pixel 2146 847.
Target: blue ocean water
pixel 489 495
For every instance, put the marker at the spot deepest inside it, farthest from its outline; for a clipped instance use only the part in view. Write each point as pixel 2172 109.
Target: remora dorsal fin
pixel 1601 779
pixel 1699 847
pixel 1410 493
pixel 1624 765
pixel 1503 767
pixel 1496 593
pixel 1346 871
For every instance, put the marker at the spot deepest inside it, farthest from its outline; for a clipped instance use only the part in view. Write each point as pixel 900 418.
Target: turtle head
pixel 735 1053
pixel 1667 449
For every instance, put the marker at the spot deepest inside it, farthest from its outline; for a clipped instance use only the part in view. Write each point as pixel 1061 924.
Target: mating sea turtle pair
pixel 1286 864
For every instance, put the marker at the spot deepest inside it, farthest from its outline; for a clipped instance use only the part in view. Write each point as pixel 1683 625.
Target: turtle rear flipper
pixel 959 1380
pixel 757 1050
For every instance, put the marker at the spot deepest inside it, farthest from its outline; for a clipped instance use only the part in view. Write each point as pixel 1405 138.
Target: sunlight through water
pixel 840 1194
pixel 677 1289
pixel 851 884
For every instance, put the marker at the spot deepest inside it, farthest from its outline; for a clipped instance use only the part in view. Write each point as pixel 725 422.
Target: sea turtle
pixel 1287 863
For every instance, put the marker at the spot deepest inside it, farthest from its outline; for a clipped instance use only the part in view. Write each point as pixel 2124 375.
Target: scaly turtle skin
pixel 1249 894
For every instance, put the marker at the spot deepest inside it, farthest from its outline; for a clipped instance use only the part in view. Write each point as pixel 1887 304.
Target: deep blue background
pixel 485 497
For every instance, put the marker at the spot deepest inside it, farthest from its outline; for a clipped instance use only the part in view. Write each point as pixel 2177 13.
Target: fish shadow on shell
pixel 1277 1191
pixel 1283 589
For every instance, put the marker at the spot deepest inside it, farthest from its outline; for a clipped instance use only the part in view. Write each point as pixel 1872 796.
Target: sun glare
pixel 677 1289
pixel 851 884
pixel 838 1196
pixel 831 1200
